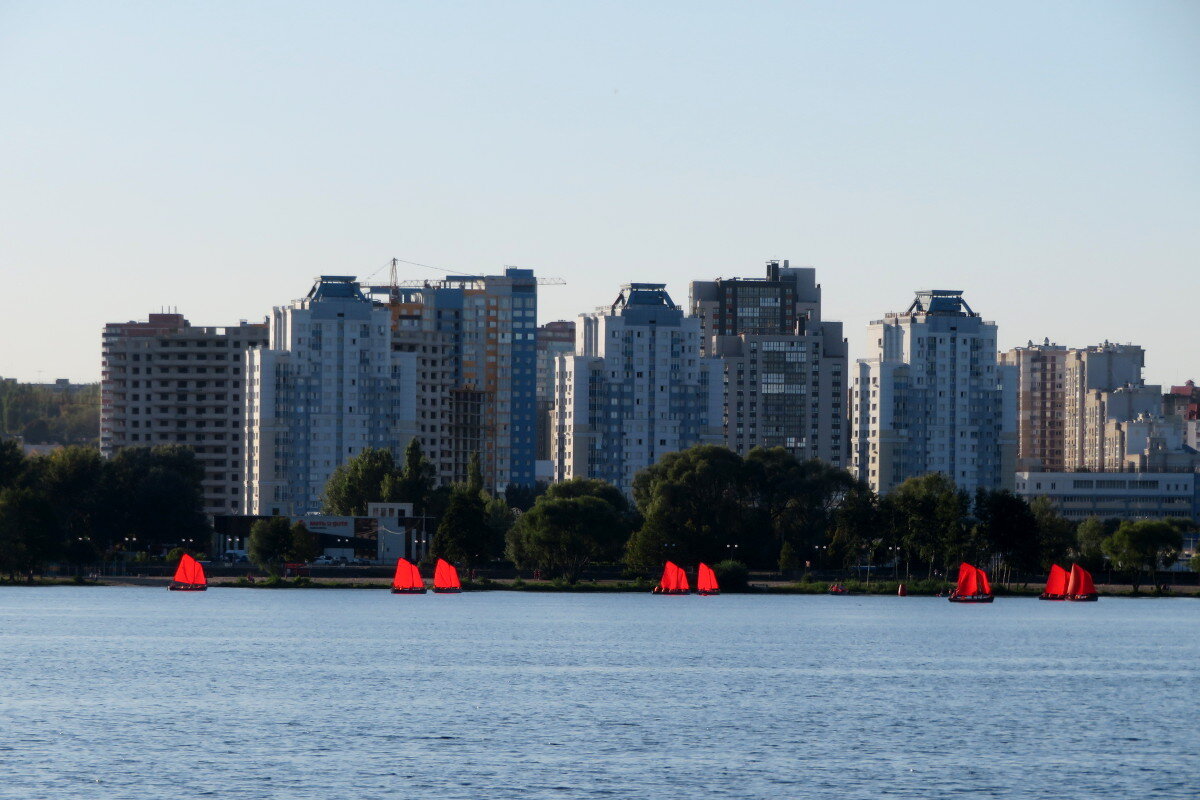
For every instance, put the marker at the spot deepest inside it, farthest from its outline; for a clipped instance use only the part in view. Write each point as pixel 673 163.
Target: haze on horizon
pixel 1040 156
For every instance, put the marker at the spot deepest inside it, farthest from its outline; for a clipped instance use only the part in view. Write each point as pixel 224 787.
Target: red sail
pixel 1080 582
pixel 668 582
pixel 190 572
pixel 967 582
pixel 706 580
pixel 407 576
pixel 982 579
pixel 681 581
pixel 445 576
pixel 1085 585
pixel 1056 584
pixel 1074 581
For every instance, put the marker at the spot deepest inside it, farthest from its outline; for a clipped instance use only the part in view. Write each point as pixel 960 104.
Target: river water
pixel 240 693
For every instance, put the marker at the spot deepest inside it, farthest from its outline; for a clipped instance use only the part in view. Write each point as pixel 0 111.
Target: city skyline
pixel 1039 157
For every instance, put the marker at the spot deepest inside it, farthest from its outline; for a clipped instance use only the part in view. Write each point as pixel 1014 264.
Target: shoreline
pixel 887 589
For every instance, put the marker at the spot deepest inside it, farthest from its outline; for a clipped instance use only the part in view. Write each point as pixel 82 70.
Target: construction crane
pixel 394 284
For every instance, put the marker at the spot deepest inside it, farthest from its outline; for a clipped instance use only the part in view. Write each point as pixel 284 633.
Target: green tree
pixel 463 535
pixel 358 482
pixel 1056 535
pixel 1142 547
pixel 1089 542
pixel 28 531
pixel 71 479
pixel 304 545
pixel 1007 527
pixel 12 463
pixel 270 541
pixel 414 483
pixel 930 515
pixel 695 506
pixel 565 535
pixel 152 498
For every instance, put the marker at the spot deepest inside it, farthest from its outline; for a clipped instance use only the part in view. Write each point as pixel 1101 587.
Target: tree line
pixel 50 414
pixel 74 507
pixel 766 510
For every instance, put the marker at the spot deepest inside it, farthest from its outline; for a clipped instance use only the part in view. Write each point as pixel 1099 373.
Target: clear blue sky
pixel 1042 156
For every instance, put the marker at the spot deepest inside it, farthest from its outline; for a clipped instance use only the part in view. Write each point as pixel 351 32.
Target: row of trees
pixel 72 506
pixel 767 510
pixel 42 414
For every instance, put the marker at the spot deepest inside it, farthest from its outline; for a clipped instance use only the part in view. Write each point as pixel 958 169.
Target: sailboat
pixel 445 578
pixel 706 580
pixel 1080 586
pixel 674 581
pixel 1056 584
pixel 408 578
pixel 973 586
pixel 189 576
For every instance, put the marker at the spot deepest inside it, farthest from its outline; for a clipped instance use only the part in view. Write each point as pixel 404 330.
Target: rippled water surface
pixel 235 693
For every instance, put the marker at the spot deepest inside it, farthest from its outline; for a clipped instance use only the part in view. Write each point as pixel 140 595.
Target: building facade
pixel 486 327
pixel 1102 383
pixel 636 388
pixel 328 385
pixel 553 339
pixel 166 381
pixel 1041 371
pixel 1141 495
pixel 783 368
pixel 933 398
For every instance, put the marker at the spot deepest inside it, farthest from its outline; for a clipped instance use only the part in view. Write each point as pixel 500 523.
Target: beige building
pixel 166 381
pixel 1102 383
pixel 1041 372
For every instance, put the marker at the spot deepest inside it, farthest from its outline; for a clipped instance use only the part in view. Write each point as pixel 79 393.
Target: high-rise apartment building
pixel 784 369
pixel 1100 384
pixel 486 327
pixel 553 339
pixel 166 381
pixel 1041 373
pixel 328 385
pixel 638 387
pixel 932 398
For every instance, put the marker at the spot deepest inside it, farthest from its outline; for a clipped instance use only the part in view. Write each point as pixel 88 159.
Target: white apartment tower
pixel 638 387
pixel 166 381
pixel 932 398
pixel 328 386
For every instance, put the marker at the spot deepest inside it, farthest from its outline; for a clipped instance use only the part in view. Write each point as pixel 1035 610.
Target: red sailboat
pixel 1056 584
pixel 407 579
pixel 706 580
pixel 189 576
pixel 445 578
pixel 972 587
pixel 674 581
pixel 1080 586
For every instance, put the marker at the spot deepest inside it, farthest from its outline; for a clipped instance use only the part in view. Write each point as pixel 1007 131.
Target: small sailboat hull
pixel 189 576
pixel 1084 598
pixel 674 581
pixel 442 590
pixel 408 591
pixel 972 587
pixel 1044 596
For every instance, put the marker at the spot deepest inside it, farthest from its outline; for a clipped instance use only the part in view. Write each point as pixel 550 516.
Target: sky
pixel 213 157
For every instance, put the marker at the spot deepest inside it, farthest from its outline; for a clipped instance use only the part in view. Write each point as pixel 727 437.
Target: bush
pixel 732 576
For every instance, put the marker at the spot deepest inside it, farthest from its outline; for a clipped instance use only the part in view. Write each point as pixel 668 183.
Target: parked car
pixel 323 561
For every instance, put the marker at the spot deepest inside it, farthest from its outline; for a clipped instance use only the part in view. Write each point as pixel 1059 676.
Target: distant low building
pixel 1115 495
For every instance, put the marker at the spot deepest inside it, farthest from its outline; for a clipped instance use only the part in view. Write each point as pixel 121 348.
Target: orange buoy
pixel 902 591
